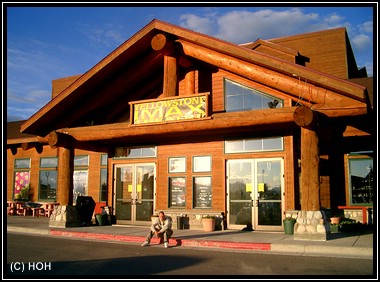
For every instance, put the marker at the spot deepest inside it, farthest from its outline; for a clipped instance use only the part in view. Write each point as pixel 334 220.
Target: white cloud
pixel 366 27
pixel 361 42
pixel 197 23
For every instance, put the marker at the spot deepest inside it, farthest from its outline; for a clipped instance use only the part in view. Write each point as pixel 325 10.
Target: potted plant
pixel 335 220
pixel 102 219
pixel 208 222
pixel 289 225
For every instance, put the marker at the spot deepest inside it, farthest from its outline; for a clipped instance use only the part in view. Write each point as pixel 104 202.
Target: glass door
pixel 134 184
pixel 255 193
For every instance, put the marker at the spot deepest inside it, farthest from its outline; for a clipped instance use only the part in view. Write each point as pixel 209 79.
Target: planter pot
pixel 334 228
pixel 289 226
pixel 208 224
pixel 102 219
pixel 335 220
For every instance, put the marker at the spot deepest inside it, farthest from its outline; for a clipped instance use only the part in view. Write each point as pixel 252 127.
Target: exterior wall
pixel 326 50
pixel 188 150
pixel 93 170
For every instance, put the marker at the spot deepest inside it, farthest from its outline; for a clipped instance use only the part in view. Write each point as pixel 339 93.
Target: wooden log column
pixel 307 119
pixel 190 82
pixel 166 46
pixel 65 185
pixel 311 223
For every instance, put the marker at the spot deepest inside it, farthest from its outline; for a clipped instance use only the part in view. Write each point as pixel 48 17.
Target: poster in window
pixel 177 186
pixel 177 165
pixel 21 188
pixel 202 192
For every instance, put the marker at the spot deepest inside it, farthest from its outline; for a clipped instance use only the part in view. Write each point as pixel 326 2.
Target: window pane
pixel 201 163
pixel 103 159
pixel 49 162
pixel 22 163
pixel 149 152
pixel 48 185
pixel 253 145
pixel 272 143
pixel 81 160
pixel 103 184
pixel 202 192
pixel 177 192
pixel 361 181
pixel 239 98
pixel 80 184
pixel 234 146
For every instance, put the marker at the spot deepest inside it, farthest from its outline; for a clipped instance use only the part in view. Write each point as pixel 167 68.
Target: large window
pixel 242 98
pixel 48 179
pixel 361 179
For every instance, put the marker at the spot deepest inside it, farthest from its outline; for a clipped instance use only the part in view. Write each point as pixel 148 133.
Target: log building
pixel 179 121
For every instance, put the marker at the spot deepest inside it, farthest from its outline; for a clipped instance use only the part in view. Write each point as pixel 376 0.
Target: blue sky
pixel 46 43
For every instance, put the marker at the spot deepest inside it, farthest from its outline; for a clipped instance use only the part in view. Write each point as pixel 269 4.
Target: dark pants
pixel 163 236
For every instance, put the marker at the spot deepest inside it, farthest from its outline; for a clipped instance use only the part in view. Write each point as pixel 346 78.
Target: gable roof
pixel 95 93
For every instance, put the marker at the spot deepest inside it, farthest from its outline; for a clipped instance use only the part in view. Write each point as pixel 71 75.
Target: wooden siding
pixel 326 50
pixel 276 53
pixel 189 150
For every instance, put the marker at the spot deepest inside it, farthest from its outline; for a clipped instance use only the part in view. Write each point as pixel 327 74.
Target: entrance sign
pixel 169 109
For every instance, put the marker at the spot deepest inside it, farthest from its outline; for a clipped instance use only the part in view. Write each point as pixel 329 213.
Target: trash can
pixel 289 226
pixel 85 206
pixel 180 222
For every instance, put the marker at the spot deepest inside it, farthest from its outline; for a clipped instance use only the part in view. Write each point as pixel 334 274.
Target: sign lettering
pixel 170 110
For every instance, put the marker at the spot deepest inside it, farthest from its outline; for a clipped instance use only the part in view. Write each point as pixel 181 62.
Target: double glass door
pixel 255 193
pixel 134 197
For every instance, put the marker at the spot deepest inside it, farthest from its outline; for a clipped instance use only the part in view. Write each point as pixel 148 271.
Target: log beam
pixel 162 44
pixel 57 139
pixel 223 121
pixel 305 117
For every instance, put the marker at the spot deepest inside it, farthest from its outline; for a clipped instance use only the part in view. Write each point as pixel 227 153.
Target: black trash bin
pixel 180 222
pixel 85 206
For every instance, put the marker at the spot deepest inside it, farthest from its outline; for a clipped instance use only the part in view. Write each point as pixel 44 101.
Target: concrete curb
pixel 27 230
pixel 278 248
pixel 178 241
pixel 331 251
